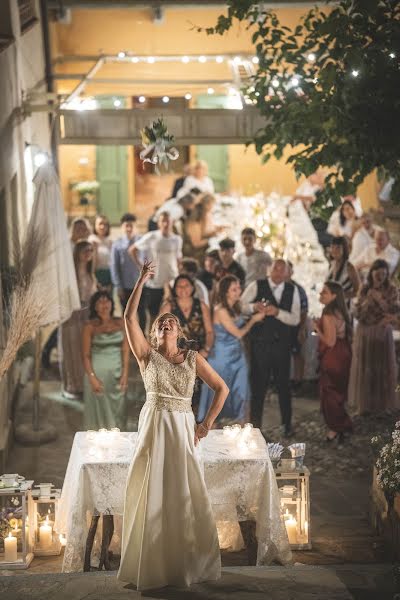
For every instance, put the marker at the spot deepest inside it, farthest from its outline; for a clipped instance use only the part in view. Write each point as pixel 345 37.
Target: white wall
pixel 21 68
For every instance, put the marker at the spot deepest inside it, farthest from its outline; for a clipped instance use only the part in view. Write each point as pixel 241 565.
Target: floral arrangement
pixel 86 187
pixel 157 143
pixel 388 463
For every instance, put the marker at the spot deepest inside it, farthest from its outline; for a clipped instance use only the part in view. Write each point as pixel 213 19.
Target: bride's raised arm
pixel 221 391
pixel 136 338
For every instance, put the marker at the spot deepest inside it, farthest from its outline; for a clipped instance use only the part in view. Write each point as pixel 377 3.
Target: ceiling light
pixel 188 96
pixel 219 59
pixel 255 60
pixel 142 99
pixel 117 103
pixel 185 59
pixel 210 91
pixel 165 99
pixel 121 54
pixel 134 59
pixel 202 59
pixel 151 59
pixel 237 60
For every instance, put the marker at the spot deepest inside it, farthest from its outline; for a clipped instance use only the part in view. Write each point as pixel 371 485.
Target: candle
pixel 10 548
pixel 46 534
pixel 291 528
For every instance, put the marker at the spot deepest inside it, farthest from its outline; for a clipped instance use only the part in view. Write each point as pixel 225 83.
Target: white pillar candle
pixel 10 548
pixel 46 534
pixel 291 528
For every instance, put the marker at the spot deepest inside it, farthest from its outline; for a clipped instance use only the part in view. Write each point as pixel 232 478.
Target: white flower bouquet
pixel 388 463
pixel 157 143
pixel 86 187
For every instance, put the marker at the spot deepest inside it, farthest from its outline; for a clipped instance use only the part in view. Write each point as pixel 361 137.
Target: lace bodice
pixel 170 386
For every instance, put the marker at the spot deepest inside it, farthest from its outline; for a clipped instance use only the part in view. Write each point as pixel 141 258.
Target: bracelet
pixel 204 427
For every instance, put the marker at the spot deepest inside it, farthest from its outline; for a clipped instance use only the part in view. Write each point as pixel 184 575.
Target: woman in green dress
pixel 106 363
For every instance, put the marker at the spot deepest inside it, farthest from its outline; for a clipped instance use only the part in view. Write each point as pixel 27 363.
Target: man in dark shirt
pixel 229 266
pixel 207 275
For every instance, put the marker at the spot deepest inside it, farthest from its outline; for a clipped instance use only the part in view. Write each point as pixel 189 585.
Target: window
pixel 6 35
pixel 27 14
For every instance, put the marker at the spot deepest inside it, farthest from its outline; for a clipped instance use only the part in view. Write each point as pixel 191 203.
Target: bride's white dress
pixel 169 534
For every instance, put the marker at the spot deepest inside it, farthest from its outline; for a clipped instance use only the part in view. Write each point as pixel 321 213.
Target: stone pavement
pixel 242 583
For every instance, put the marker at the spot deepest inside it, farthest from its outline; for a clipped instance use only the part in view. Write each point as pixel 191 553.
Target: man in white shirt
pixel 362 238
pixel 271 340
pixel 164 248
pixel 254 262
pixel 381 248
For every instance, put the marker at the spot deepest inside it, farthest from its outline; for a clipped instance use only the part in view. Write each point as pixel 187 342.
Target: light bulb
pixel 117 103
pixel 255 60
pixel 210 91
pixel 121 54
pixel 219 59
pixel 134 59
pixel 311 57
pixel 185 59
pixel 237 60
pixel 165 99
pixel 202 59
pixel 151 59
pixel 142 99
pixel 392 55
pixel 355 73
pixel 188 96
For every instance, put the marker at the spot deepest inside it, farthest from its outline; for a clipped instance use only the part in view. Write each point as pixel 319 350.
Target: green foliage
pixel 344 108
pixel 157 131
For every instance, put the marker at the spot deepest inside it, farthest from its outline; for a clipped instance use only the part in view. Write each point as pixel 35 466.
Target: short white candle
pixel 291 528
pixel 46 534
pixel 10 548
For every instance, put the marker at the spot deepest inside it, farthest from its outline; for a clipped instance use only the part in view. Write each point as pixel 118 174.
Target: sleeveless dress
pixel 228 359
pixel 169 535
pixel 107 409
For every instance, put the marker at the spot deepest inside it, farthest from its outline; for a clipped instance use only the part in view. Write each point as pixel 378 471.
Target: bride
pixel 169 534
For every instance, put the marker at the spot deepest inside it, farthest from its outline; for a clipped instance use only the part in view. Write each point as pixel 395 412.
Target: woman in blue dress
pixel 227 356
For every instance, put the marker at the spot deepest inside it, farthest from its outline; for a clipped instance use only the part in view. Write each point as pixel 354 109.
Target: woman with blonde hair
pixel 100 238
pixel 199 227
pixel 198 178
pixel 169 534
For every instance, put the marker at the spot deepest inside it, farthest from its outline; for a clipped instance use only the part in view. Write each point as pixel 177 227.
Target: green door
pixel 112 173
pixel 215 156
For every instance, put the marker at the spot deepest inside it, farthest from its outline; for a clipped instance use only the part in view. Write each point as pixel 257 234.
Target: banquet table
pixel 239 477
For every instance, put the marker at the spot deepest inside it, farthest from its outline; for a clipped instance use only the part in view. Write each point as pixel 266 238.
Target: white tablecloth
pixel 240 481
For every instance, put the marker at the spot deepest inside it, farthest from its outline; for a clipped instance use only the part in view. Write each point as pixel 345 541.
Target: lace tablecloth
pixel 240 481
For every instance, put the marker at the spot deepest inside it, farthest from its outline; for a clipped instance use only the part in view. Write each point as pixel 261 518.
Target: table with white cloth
pixel 239 477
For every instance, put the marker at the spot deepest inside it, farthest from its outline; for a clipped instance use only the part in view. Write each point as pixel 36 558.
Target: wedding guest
pixel 373 375
pixel 79 230
pixel 343 221
pixel 334 330
pixel 271 340
pixel 227 357
pixel 341 270
pixel 106 363
pixel 101 242
pixel 70 345
pixel 253 261
pixel 229 266
pixel 363 237
pixel 197 179
pixel 382 249
pixel 207 274
pixel 124 271
pixel 190 266
pixel 164 248
pixel 199 227
pixel 356 202
pixel 306 192
pixel 299 333
pixel 179 182
pixel 178 209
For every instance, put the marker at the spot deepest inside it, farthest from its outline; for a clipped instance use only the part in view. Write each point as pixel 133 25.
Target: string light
pixel 392 55
pixel 151 59
pixel 142 99
pixel 202 59
pixel 121 54
pixel 255 60
pixel 185 59
pixel 165 99
pixel 134 59
pixel 210 91
pixel 311 57
pixel 355 73
pixel 237 60
pixel 188 96
pixel 219 59
pixel 117 103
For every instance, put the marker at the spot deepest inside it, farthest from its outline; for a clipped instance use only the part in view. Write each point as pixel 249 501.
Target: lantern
pixel 15 522
pixel 45 505
pixel 294 492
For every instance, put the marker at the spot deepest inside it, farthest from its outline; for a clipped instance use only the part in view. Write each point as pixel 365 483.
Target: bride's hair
pixel 183 342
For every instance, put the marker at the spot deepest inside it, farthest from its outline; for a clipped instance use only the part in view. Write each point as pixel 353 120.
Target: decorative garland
pixel 157 144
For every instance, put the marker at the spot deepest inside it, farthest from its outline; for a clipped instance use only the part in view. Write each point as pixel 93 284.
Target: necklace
pixel 169 356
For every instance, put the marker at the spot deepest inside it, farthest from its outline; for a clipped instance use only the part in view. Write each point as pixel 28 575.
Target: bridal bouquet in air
pixel 157 145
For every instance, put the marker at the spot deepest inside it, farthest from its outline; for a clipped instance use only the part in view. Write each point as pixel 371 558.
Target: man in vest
pixel 270 340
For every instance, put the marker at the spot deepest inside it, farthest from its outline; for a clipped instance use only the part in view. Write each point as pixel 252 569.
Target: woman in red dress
pixel 334 330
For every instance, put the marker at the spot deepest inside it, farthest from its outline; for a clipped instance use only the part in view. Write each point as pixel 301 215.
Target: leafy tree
pixel 330 84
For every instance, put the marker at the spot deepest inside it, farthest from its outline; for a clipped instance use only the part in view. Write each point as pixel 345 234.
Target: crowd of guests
pixel 239 308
